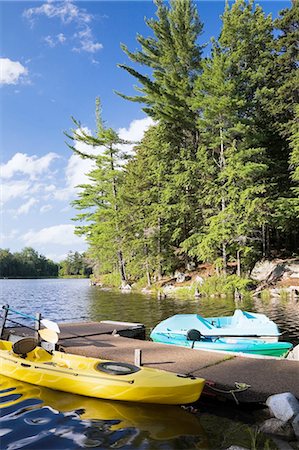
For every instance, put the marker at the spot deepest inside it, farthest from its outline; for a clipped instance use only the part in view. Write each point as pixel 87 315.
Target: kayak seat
pixel 24 346
pixel 117 368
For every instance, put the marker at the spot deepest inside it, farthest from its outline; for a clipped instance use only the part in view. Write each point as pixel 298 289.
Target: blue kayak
pixel 240 324
pixel 193 339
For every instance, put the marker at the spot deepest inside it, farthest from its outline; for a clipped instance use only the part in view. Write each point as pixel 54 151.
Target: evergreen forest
pixel 28 263
pixel 215 179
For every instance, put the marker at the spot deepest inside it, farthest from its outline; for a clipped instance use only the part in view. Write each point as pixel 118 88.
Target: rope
pixel 240 387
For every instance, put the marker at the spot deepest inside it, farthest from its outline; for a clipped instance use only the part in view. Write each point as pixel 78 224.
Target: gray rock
pixel 295 425
pixel 126 287
pixel 262 270
pixel 281 444
pixel 276 269
pixel 236 447
pixel 199 280
pixel 283 406
pixel 294 354
pixel 277 427
pixel 180 277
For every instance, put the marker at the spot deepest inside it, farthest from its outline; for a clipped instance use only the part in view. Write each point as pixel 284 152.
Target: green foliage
pixel 26 264
pixel 173 55
pixel 100 198
pixel 215 178
pixel 75 264
pixel 225 284
pixel 112 280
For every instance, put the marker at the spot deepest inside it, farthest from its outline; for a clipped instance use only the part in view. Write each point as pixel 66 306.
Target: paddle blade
pixel 48 335
pixel 50 325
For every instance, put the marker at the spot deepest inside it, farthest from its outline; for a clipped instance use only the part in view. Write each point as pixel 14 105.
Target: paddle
pixel 45 322
pixel 48 335
pixel 50 325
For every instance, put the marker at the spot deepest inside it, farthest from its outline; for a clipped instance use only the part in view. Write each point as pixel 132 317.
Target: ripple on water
pixel 55 420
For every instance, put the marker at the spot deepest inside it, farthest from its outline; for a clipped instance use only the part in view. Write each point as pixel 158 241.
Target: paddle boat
pixel 194 339
pixel 92 377
pixel 241 324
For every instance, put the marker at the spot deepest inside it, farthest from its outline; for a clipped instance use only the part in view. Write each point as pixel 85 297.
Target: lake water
pixel 35 418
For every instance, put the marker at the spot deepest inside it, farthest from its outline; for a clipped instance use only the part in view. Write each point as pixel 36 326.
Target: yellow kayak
pixel 96 378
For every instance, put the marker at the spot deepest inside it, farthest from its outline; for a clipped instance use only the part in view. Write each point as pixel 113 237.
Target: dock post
pixel 38 317
pixel 3 320
pixel 138 357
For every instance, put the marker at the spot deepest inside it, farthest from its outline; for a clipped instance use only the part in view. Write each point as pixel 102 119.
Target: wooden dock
pixel 117 341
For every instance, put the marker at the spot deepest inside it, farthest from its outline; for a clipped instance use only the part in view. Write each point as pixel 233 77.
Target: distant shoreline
pixel 45 278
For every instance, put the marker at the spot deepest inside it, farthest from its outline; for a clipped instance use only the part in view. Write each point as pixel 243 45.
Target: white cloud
pixel 57 234
pixel 46 208
pixel 53 41
pixel 78 168
pixel 135 132
pixel 86 41
pixel 12 234
pixel 67 12
pixel 11 72
pixel 56 257
pixel 136 129
pixel 13 189
pixel 27 165
pixel 25 207
pixel 50 188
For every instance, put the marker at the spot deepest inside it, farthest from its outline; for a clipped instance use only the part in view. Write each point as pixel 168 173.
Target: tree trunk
pixel 159 250
pixel 148 275
pixel 224 257
pixel 222 165
pixel 121 261
pixel 264 240
pixel 121 264
pixel 238 263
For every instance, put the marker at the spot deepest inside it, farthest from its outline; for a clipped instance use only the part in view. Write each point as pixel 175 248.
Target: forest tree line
pixel 216 178
pixel 28 263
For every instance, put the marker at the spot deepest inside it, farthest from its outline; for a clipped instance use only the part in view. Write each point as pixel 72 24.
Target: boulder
pixel 283 406
pixel 277 427
pixel 295 425
pixel 294 354
pixel 262 270
pixel 275 270
pixel 281 444
pixel 180 278
pixel 199 280
pixel 126 287
pixel 236 447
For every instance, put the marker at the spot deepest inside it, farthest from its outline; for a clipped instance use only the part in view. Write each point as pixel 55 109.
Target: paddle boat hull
pixel 98 378
pixel 252 346
pixel 241 324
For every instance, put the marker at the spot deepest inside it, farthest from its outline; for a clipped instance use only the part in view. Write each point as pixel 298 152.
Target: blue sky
pixel 56 58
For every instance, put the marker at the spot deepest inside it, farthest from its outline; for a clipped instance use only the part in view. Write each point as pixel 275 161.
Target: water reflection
pixel 44 417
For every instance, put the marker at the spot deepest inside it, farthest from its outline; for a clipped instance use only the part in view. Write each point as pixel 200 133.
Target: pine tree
pixel 286 94
pixel 100 198
pixel 233 187
pixel 147 208
pixel 174 57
